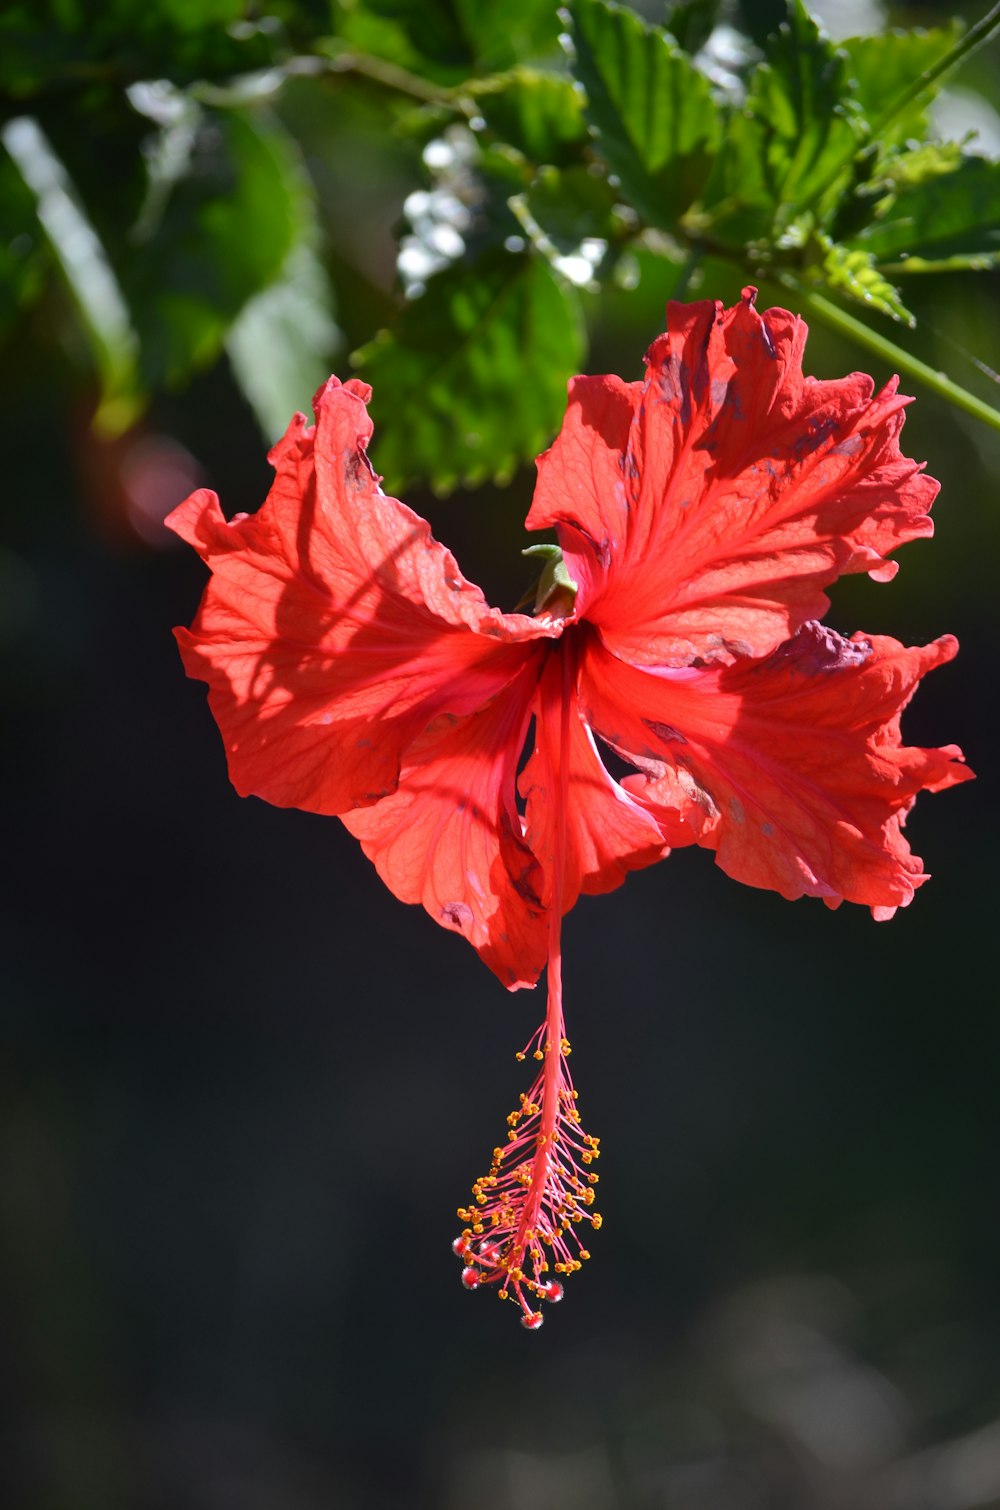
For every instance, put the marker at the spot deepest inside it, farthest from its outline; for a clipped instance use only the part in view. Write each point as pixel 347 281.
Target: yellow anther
pixel 502 1294
pixel 584 1253
pixel 478 1228
pixel 597 1220
pixel 519 1057
pixel 538 1054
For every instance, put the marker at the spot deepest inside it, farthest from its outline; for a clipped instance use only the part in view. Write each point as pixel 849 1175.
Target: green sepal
pixel 555 582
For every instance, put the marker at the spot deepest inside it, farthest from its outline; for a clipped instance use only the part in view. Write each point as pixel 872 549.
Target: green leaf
pixel 690 22
pixel 658 123
pixel 882 68
pixel 455 38
pixel 920 165
pixel 801 101
pixel 874 196
pixel 281 346
pixel 566 207
pixel 61 45
pixel 541 114
pixel 471 381
pixel 958 215
pixel 227 226
pixel 846 270
pixel 89 277
pixel 736 205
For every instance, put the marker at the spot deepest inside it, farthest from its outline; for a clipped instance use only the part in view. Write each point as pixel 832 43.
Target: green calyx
pixel 556 590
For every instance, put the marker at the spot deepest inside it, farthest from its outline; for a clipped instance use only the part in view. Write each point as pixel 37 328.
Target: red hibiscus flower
pixel 700 513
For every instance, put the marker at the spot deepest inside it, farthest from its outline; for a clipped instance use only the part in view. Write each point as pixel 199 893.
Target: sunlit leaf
pixel 849 271
pixel 658 123
pixel 226 228
pixel 282 346
pixel 919 165
pixel 472 378
pixel 801 102
pixel 736 205
pixel 541 114
pixel 567 207
pixel 881 180
pixel 883 66
pixel 449 39
pixel 690 22
pixel 958 215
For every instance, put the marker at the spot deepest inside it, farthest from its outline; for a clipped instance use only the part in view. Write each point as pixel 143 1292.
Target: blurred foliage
pixel 163 197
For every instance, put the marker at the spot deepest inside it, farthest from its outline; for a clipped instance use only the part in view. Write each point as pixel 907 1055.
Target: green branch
pixel 981 32
pixel 838 319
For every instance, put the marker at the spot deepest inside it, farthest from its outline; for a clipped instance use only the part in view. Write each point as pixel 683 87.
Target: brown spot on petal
pixel 457 915
pixel 665 732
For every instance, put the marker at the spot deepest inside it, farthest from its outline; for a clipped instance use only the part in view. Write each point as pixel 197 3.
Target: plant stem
pixel 982 30
pixel 390 76
pixel 838 319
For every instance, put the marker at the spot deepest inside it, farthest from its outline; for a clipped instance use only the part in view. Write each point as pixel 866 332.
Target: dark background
pixel 242 1089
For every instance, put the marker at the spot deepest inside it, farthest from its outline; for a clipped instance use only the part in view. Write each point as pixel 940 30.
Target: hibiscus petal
pixel 799 757
pixel 335 628
pixel 742 490
pixel 450 836
pixel 607 831
pixel 580 480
